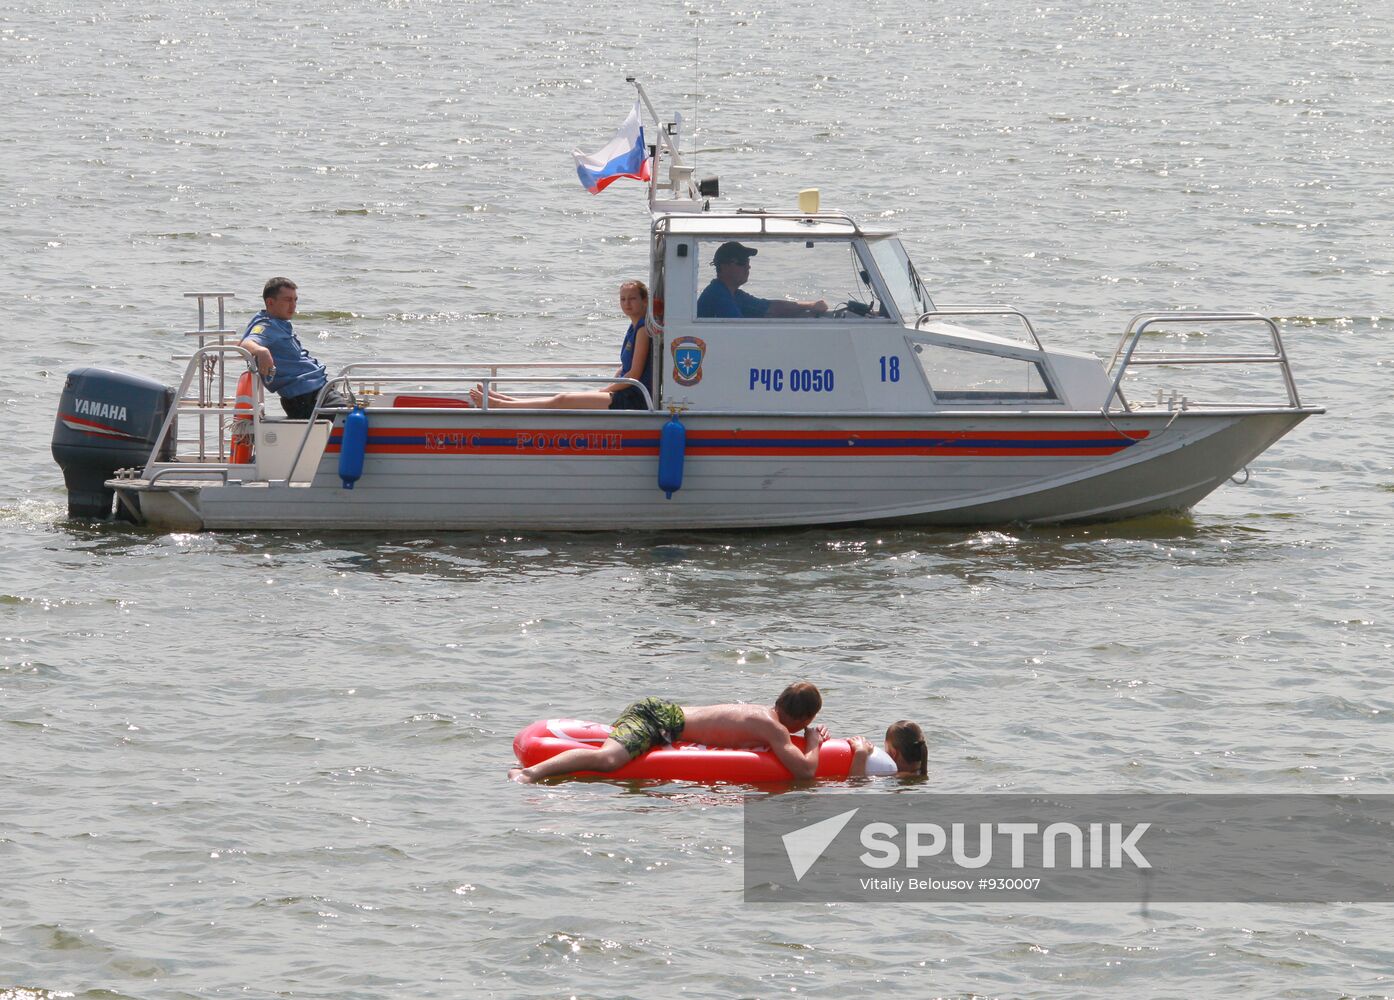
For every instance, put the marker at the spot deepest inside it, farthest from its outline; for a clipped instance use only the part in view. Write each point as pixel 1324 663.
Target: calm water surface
pixel 272 765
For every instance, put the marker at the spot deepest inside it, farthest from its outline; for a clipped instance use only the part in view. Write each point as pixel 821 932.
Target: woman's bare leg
pixel 594 400
pixel 496 398
pixel 609 756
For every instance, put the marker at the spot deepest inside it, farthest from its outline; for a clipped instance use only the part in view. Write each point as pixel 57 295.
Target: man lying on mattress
pixel 653 722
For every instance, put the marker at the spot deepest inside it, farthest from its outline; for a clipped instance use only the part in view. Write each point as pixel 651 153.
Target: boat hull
pixel 555 471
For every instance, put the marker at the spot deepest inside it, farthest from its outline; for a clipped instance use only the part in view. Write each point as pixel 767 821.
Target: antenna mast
pixel 685 196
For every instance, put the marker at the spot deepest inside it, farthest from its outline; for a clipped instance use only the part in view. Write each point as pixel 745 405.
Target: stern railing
pixel 208 364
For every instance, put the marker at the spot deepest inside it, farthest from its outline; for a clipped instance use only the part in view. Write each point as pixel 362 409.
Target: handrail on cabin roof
pixel 712 224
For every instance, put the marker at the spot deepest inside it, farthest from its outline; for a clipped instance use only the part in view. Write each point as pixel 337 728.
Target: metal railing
pixel 362 371
pixel 378 374
pixel 370 377
pixel 205 359
pixel 1126 354
pixel 942 312
pixel 729 226
pixel 195 471
pixel 347 375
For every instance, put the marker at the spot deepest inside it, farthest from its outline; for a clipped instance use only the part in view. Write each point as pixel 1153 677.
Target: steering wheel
pixel 850 308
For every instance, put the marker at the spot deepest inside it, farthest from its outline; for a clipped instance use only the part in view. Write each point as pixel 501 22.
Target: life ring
pixel 241 453
pixel 681 761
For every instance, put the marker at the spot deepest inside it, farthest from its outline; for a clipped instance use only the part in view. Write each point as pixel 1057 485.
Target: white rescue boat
pixel 890 409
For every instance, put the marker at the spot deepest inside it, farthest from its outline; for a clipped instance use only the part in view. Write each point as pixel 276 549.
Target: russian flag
pixel 623 156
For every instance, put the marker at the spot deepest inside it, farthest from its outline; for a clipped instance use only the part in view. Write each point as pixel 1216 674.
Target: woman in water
pixel 904 745
pixel 636 362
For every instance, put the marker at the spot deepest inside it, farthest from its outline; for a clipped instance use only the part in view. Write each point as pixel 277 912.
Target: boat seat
pixel 438 402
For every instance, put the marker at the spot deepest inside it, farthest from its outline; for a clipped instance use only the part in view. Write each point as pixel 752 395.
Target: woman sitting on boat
pixel 636 362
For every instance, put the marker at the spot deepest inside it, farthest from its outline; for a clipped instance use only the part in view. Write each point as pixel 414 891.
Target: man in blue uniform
pixel 723 298
pixel 288 369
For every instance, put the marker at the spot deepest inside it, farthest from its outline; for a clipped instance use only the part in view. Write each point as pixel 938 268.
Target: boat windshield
pixel 902 281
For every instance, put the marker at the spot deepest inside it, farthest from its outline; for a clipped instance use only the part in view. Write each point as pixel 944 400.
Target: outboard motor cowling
pixel 107 420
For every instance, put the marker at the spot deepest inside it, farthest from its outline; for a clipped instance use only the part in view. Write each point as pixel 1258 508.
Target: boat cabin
pixel 874 342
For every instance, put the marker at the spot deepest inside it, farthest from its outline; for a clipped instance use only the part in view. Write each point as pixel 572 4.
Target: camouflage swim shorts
pixel 647 723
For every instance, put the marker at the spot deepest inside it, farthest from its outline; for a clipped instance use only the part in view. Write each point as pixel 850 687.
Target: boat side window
pixel 960 376
pixel 807 280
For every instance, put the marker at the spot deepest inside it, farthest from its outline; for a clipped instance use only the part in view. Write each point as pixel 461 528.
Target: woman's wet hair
pixel 798 704
pixel 908 740
pixel 642 288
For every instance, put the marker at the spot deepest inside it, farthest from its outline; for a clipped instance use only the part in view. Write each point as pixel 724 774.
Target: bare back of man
pixel 734 726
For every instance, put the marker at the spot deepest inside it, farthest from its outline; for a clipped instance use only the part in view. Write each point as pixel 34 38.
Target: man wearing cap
pixel 723 298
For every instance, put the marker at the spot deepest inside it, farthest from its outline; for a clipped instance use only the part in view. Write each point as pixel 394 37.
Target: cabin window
pixel 783 276
pixel 959 376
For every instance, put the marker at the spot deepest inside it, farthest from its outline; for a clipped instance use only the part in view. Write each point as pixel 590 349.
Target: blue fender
pixel 672 449
pixel 353 446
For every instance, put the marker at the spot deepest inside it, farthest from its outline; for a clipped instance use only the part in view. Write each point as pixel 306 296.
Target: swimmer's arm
pixel 801 765
pixel 861 750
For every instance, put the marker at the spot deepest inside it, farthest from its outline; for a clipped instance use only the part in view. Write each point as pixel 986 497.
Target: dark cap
pixel 732 252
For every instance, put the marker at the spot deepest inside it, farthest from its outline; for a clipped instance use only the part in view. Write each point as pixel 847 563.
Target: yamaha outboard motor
pixel 107 420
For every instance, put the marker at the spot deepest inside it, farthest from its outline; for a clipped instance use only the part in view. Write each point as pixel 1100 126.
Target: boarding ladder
pixel 208 399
